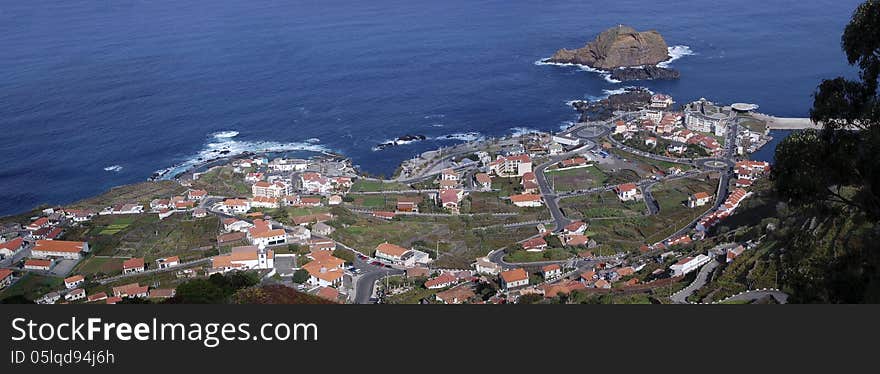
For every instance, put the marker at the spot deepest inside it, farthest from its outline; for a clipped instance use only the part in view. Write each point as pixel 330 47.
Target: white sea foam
pixel 676 52
pixel 520 131
pixel 225 134
pixel 437 125
pixel 226 146
pixel 434 116
pixel 566 124
pixel 313 140
pixel 113 168
pixel 604 73
pixel 465 137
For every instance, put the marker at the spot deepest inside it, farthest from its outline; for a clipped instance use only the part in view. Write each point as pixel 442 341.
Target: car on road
pixel 376 263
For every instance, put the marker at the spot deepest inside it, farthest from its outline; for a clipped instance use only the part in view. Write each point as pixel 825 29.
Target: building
pixel 244 258
pixel 315 183
pixel 555 149
pixel 565 140
pixel 38 264
pixel 196 194
pixel 526 200
pixel 511 166
pixel 551 271
pixel 484 266
pixel 11 247
pixel 449 199
pixel 575 240
pixel 734 252
pixel 75 295
pixel 415 257
pixel 698 199
pixel 390 252
pixel 269 237
pixel 661 101
pixel 133 265
pixel 131 290
pixel 5 278
pixel 514 278
pixel 456 295
pixel 49 298
pixel 325 270
pixel 535 245
pixel 265 202
pixel 38 223
pixel 449 174
pixel 407 206
pixel 167 262
pixel 59 249
pixel 97 297
pixel 234 224
pixel 627 192
pixel 322 229
pixel 576 227
pixel 334 200
pixel 276 189
pixel 689 264
pixel 233 206
pixel 442 281
pixel 74 281
pixel 483 181
pixel 162 293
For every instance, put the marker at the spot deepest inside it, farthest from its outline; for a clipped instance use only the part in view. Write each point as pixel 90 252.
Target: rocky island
pixel 626 53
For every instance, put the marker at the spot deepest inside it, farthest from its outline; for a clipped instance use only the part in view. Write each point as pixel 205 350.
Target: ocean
pixel 95 94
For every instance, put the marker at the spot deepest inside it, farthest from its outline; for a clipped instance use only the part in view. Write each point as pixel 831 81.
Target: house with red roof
pixel 133 265
pixel 526 200
pixel 627 192
pixel 514 278
pixel 11 247
pixel 552 271
pixel 535 245
pixel 5 278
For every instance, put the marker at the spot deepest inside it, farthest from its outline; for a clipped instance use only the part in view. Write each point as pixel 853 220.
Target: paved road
pixel 680 297
pixel 781 297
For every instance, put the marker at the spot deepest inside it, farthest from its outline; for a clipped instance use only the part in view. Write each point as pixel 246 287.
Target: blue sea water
pixel 95 94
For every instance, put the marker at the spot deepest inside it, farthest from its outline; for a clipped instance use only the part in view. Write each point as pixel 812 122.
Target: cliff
pixel 618 47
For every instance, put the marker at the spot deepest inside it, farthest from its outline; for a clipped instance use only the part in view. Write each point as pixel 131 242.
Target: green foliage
pixel 216 289
pixel 300 276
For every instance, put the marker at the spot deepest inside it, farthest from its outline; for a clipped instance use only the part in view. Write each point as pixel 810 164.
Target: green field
pixel 651 163
pixel 144 235
pixel 362 185
pixel 455 238
pixel 99 266
pixel 552 254
pixel 223 181
pixel 619 226
pixel 32 286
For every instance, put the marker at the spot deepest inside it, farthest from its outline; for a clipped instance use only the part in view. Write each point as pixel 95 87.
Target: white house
pixel 167 262
pixel 74 295
pixel 300 234
pixel 391 253
pixel 74 281
pixel 244 258
pixel 11 247
pixel 689 264
pixel 5 278
pixel 551 271
pixel 269 237
pixel 233 206
pixel 325 270
pixel 484 266
pixel 59 249
pixel 627 192
pixel 511 166
pixel 133 265
pixel 514 278
pixel 698 199
pixel 526 200
pixel 276 189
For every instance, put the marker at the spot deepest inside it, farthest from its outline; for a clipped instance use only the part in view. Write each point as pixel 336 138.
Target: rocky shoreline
pixel 644 73
pixel 632 99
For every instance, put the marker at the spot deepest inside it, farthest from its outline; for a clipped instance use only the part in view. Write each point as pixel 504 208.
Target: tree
pixel 841 163
pixel 300 276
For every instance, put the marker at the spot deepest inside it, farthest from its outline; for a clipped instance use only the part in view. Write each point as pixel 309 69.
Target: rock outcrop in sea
pixel 626 53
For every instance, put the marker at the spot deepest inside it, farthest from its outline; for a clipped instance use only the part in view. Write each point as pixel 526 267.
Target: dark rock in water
pixel 224 152
pixel 632 99
pixel 617 47
pixel 406 139
pixel 645 73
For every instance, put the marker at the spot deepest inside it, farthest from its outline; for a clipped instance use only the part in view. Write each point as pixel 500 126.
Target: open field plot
pixel 99 266
pixel 575 179
pixel 133 193
pixel 387 202
pixel 457 240
pixel 622 226
pixel 223 182
pixel 144 235
pixel 600 205
pixel 362 185
pixel 649 164
pixel 32 286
